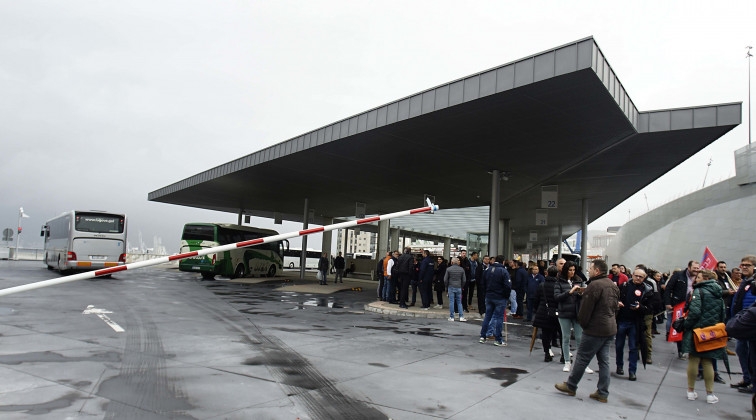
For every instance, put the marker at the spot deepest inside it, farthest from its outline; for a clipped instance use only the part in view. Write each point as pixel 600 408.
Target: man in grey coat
pixel 598 317
pixel 454 279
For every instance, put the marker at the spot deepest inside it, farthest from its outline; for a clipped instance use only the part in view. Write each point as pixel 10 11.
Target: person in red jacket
pixel 616 276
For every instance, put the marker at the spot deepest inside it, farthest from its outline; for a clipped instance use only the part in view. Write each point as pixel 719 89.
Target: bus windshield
pixel 199 233
pixel 99 223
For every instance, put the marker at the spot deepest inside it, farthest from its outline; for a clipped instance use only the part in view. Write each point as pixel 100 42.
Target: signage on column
pixel 542 218
pixel 359 210
pixel 533 236
pixel 530 245
pixel 550 196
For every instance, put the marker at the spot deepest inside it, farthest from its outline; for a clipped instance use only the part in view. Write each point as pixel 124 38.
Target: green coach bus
pixel 263 259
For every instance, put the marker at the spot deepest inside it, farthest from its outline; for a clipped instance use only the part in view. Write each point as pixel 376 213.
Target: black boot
pixel 547 357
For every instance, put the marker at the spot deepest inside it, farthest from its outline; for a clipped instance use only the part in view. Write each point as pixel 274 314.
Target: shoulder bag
pixel 709 338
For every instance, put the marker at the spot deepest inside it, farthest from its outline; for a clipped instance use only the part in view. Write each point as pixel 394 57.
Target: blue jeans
pixel 592 346
pixel 455 295
pixel 741 349
pixel 325 276
pixel 494 310
pixel 567 324
pixel 627 329
pixel 531 309
pixel 387 287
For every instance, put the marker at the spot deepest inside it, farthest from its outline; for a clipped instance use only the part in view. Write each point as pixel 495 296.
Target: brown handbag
pixel 710 338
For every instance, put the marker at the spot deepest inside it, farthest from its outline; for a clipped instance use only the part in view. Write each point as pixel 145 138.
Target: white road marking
pixel 101 313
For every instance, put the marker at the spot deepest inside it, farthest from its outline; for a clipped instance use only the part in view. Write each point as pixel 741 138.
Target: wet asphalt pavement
pixel 193 349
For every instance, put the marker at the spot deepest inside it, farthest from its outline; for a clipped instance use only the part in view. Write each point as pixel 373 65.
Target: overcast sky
pixel 102 102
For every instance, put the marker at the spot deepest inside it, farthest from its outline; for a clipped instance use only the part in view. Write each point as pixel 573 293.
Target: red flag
pixel 677 312
pixel 708 262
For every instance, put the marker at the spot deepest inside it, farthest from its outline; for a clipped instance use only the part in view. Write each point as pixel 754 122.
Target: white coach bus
pixel 85 240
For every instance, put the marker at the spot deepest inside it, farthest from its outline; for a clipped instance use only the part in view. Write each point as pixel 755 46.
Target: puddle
pixel 428 332
pixel 508 375
pixel 7 311
pixel 378 365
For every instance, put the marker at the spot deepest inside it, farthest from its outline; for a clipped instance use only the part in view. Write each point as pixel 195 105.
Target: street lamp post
pixel 748 56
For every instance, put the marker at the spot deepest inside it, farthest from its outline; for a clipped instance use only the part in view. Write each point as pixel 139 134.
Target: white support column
pixel 447 248
pixel 584 228
pixel 327 239
pixel 493 217
pixel 560 240
pixel 303 253
pixel 383 238
pixel 394 243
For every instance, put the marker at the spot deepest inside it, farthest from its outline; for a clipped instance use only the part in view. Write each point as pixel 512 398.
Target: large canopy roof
pixel 560 117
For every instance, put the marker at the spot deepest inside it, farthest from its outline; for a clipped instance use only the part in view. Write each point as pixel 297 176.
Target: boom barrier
pixel 431 208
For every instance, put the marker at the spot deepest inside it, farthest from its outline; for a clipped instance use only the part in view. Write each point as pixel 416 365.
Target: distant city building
pixel 359 243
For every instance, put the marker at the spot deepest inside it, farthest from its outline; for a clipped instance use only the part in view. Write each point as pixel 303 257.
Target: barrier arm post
pixel 431 208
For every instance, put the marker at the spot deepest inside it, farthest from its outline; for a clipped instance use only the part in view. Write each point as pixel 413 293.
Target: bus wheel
pixel 239 272
pixel 208 276
pixel 272 271
pixel 291 265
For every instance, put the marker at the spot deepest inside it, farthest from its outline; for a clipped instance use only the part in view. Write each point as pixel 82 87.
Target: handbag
pixel 710 338
pixel 679 324
pixel 551 312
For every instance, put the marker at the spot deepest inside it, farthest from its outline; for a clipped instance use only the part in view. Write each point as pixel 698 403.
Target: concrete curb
pixel 389 309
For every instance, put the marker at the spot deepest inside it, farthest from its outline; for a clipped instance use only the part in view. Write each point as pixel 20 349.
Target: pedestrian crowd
pixel 612 306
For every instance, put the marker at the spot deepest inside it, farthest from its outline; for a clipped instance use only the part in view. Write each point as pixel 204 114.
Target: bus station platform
pixel 290 282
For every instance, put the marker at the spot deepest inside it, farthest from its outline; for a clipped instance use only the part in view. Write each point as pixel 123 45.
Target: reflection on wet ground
pixel 508 375
pixel 265 293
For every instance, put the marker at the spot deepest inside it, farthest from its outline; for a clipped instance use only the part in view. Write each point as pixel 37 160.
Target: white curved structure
pixel 720 216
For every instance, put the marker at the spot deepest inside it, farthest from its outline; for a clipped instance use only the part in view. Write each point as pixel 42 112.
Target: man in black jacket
pixel 465 264
pixel 676 291
pixel 404 266
pixel 338 265
pixel 634 301
pixel 482 267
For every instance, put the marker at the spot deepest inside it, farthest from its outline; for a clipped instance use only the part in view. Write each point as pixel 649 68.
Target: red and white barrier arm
pixel 432 208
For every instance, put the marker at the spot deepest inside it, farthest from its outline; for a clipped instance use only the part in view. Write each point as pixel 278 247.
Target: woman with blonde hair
pixel 705 309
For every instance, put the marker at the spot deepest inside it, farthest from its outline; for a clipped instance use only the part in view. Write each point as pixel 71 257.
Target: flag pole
pixel 431 208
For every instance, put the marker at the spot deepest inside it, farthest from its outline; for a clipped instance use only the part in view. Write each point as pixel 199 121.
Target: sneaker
pixel 692 395
pixel 730 352
pixel 438 307
pixel 451 319
pixel 711 399
pixel 563 387
pixel 551 353
pixel 498 343
pixel 424 309
pixel 598 397
pixel 632 377
pixel 567 367
pixel 718 379
pixel 620 371
pixel 589 371
pixel 462 319
pixel 482 340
